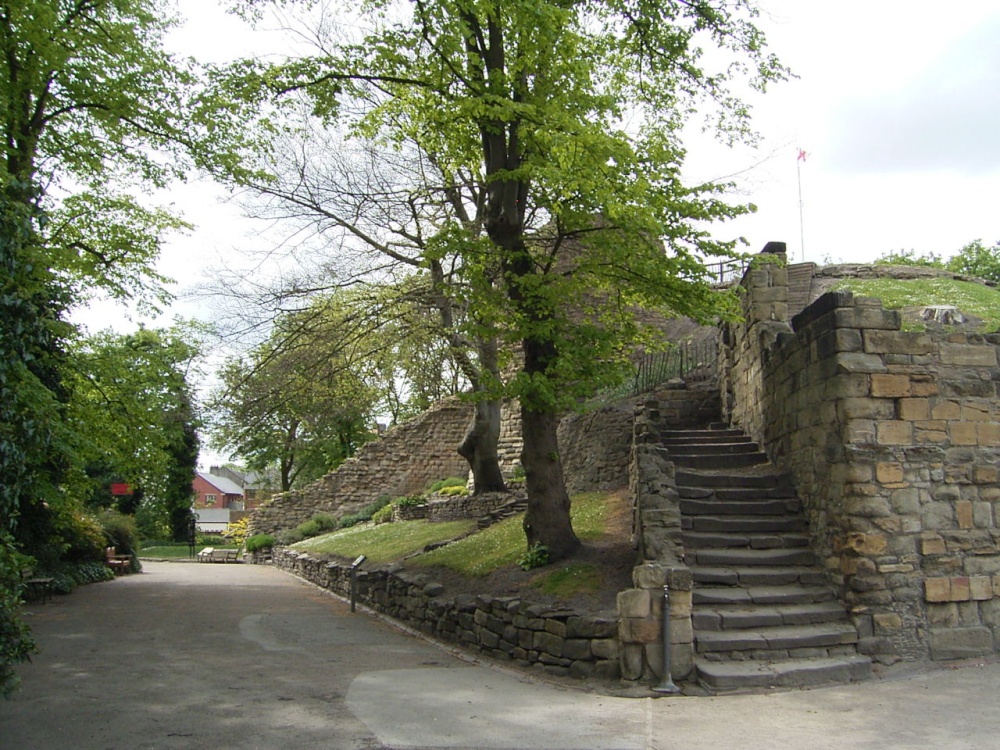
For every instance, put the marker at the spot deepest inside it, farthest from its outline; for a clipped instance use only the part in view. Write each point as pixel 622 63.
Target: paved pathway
pixel 232 656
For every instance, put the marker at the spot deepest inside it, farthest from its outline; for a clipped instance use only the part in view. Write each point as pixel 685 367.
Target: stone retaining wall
pixel 657 534
pixel 893 440
pixel 557 640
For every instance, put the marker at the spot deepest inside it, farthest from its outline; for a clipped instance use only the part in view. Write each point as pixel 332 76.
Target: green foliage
pixel 364 515
pixel 410 502
pixel 68 575
pixel 449 482
pixel 454 491
pixel 975 259
pixel 120 532
pixel 16 645
pixel 290 536
pixel 536 556
pixel 299 401
pixel 383 515
pixel 910 258
pixel 259 542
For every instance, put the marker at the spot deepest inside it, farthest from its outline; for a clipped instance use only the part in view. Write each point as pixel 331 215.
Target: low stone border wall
pixel 561 642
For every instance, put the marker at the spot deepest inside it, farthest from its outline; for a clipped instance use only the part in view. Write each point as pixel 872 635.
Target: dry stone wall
pixel 557 640
pixel 893 439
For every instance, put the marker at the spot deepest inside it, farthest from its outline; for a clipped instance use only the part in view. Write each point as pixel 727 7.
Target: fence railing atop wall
pixel 692 361
pixel 726 272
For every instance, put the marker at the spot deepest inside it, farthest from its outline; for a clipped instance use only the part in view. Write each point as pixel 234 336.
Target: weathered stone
pixel 960 643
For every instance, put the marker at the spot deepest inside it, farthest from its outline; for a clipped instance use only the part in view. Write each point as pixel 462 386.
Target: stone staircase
pixel 765 614
pixel 800 277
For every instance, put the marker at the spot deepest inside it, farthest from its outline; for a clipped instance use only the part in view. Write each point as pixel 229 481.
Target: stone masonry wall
pixel 403 462
pixel 594 446
pixel 657 534
pixel 893 441
pixel 556 640
pixel 595 449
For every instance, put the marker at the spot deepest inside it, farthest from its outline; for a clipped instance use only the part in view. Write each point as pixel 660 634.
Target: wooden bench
pixel 206 554
pixel 119 564
pixel 210 554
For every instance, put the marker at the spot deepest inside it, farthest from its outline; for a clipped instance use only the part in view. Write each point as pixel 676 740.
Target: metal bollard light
pixel 667 685
pixel 354 579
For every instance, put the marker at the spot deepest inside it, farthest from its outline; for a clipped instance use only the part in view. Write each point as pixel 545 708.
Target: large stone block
pixel 634 603
pixel 885 385
pixel 960 643
pixel 968 355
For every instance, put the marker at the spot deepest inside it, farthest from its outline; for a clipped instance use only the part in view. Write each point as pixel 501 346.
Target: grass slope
pixel 476 555
pixel 909 295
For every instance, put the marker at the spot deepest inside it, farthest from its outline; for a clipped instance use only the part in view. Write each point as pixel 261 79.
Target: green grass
pixel 385 542
pixel 176 550
pixel 476 555
pixel 903 294
pixel 503 543
pixel 569 580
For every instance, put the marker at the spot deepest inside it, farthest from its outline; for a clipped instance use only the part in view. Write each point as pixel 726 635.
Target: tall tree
pixel 134 394
pixel 383 209
pixel 303 400
pixel 568 118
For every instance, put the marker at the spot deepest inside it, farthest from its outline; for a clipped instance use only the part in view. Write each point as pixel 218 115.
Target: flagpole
pixel 802 231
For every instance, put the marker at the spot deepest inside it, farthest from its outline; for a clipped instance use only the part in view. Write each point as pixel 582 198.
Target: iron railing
pixel 692 360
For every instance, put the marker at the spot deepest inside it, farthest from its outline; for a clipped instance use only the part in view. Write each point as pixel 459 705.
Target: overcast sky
pixel 896 104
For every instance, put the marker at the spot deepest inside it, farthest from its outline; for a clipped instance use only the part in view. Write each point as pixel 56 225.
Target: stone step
pixel 703 539
pixel 739 617
pixel 763 594
pixel 682 452
pixel 720 462
pixel 721 676
pixel 706 436
pixel 692 507
pixel 744 524
pixel 730 479
pixel 782 638
pixel 736 493
pixel 765 575
pixel 750 557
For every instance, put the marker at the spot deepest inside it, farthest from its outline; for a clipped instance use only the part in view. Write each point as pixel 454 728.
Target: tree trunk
pixel 479 447
pixel 547 520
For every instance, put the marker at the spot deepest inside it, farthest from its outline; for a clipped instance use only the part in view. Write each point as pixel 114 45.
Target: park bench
pixel 119 564
pixel 210 554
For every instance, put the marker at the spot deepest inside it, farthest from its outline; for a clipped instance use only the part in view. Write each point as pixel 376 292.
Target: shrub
pixel 383 515
pixel 259 541
pixel 289 536
pixel 16 645
pixel 120 531
pixel 454 491
pixel 325 521
pixel 308 529
pixel 238 531
pixel 409 502
pixel 449 482
pixel 363 515
pixel 536 557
